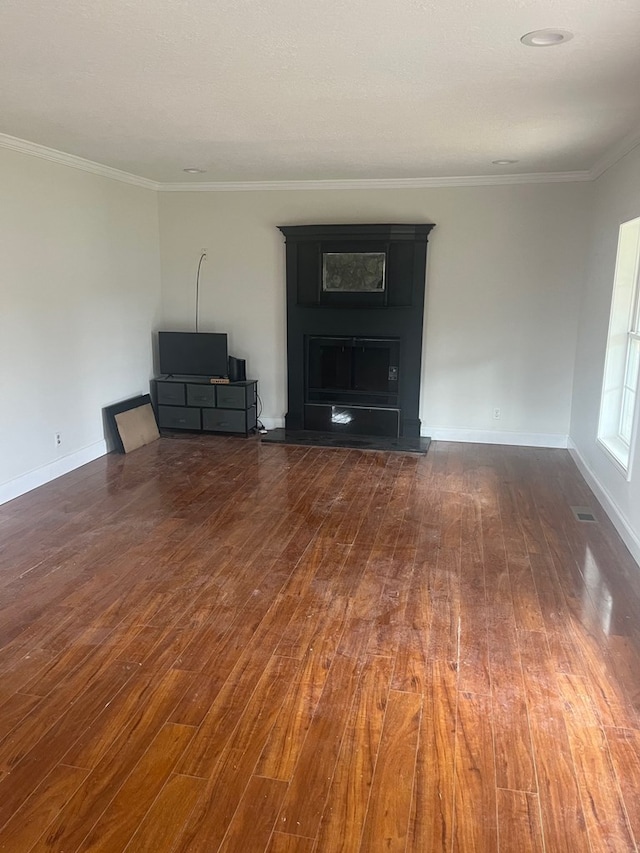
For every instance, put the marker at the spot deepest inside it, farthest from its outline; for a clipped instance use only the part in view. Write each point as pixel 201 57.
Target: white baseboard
pixel 272 423
pixel 25 483
pixel 479 436
pixel 618 518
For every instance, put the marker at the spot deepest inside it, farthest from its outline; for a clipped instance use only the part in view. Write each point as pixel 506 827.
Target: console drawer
pixel 170 393
pixel 178 417
pixel 226 420
pixel 201 395
pixel 236 396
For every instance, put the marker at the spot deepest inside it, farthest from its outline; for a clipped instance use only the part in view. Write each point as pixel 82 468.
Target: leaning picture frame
pixel 131 423
pixel 354 272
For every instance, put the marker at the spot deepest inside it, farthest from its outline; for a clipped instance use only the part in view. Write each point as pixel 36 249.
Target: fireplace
pixel 355 304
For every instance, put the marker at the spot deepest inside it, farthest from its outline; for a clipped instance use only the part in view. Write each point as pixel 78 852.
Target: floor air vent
pixel 583 513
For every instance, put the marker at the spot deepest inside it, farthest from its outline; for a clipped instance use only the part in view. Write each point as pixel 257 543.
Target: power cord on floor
pixel 261 427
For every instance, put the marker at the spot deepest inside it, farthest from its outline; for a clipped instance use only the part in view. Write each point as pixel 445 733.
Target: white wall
pixel 80 290
pixel 505 268
pixel 79 296
pixel 616 200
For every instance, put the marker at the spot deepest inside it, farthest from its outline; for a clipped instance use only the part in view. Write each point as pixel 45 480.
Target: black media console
pixel 193 403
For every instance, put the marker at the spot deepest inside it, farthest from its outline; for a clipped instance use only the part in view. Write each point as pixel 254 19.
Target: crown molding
pixel 377 183
pixel 615 153
pixel 54 156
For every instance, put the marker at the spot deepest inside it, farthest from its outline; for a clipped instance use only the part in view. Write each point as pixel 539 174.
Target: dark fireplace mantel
pixel 354 348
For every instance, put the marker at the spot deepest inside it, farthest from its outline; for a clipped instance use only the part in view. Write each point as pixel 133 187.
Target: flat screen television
pixel 193 353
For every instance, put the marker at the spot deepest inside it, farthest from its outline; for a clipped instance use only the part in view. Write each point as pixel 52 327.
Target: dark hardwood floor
pixel 217 645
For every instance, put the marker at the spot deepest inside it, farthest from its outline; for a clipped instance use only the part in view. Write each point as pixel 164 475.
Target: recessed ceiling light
pixel 192 170
pixel 546 38
pixel 503 162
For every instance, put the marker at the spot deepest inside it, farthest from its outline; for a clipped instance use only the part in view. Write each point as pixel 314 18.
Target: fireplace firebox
pixel 355 305
pixel 352 385
pixel 360 371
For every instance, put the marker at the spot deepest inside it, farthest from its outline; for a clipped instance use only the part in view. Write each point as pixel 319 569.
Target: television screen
pixel 193 353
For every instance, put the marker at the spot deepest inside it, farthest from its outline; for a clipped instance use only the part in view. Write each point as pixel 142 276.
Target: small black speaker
pixel 237 369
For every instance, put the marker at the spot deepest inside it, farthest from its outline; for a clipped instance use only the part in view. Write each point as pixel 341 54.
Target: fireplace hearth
pixel 355 305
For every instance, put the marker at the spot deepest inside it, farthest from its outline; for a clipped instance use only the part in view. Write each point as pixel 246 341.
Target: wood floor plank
pixel 515 769
pixel 309 787
pixel 214 808
pixel 239 754
pixel 270 598
pixel 560 631
pixel 387 819
pixel 607 688
pixel 23 663
pixel 444 588
pixel 15 709
pixel 314 616
pixel 281 843
pixel 140 645
pixel 33 751
pixel 607 824
pixel 526 605
pixel 141 709
pixel 346 806
pixel 564 829
pixel 412 655
pixel 40 809
pixel 282 750
pixel 475 827
pixel 366 596
pixel 473 643
pixel 120 819
pixel 346 530
pixel 412 661
pixel 83 809
pixel 624 745
pixel 519 826
pixel 61 668
pixel 255 679
pixel 431 821
pixel 254 819
pixel 165 819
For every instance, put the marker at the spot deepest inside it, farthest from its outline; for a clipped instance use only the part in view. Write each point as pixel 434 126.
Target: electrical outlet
pixel 58 439
pixel 496 414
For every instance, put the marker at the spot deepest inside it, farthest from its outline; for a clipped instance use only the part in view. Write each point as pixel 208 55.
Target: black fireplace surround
pixel 355 306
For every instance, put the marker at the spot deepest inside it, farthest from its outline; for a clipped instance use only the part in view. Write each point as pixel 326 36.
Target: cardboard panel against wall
pixel 137 427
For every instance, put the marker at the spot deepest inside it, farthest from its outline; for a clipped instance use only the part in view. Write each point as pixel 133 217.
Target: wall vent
pixel 583 513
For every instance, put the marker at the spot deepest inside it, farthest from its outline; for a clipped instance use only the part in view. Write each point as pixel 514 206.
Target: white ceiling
pixel 252 90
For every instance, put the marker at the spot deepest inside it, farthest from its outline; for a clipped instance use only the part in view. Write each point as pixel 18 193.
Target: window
pixel 622 364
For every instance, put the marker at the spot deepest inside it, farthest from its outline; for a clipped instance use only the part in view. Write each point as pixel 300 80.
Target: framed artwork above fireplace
pixel 353 272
